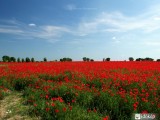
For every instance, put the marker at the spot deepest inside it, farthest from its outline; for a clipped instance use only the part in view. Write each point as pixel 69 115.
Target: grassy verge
pixel 12 108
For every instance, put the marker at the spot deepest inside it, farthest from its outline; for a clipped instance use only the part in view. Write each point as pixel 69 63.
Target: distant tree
pixel 18 60
pixel 149 59
pixel 12 59
pixel 23 60
pixel 88 59
pixel 108 59
pixel 45 59
pixel 103 59
pixel 145 59
pixel 61 60
pixel 6 58
pixel 138 59
pixel 84 59
pixel 158 60
pixel 32 60
pixel 142 59
pixel 64 59
pixel 28 59
pixel 91 60
pixel 131 59
pixel 69 59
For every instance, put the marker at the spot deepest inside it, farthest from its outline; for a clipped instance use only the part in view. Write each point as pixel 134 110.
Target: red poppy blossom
pixel 56 110
pixel 52 104
pixel 47 109
pixel 64 109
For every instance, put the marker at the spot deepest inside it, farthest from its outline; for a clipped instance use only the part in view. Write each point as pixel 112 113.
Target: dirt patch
pixel 11 108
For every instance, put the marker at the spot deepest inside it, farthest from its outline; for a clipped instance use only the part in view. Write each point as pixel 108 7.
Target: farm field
pixel 84 90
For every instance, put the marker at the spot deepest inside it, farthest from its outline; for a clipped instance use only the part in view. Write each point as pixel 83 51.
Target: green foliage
pixel 32 60
pixel 145 59
pixel 28 59
pixel 5 83
pixel 65 59
pixel 91 60
pixel 86 59
pixel 2 94
pixel 158 60
pixel 6 58
pixel 18 60
pixel 12 59
pixel 108 59
pixel 79 113
pixel 108 96
pixel 149 59
pixel 21 83
pixel 23 60
pixel 139 59
pixel 85 99
pixel 131 59
pixel 45 59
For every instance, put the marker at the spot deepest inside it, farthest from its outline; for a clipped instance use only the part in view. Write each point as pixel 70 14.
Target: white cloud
pixel 114 22
pixel 32 25
pixel 46 32
pixel 50 32
pixel 10 31
pixel 118 22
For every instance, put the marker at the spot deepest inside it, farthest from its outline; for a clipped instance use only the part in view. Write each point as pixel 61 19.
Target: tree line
pixel 6 58
pixel 143 59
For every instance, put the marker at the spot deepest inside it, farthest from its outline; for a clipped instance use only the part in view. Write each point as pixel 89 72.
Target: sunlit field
pixel 84 90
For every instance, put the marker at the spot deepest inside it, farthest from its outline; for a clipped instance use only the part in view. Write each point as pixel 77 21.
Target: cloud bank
pixel 105 22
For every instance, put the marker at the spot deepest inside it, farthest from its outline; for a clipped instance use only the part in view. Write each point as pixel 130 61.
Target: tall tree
pixel 18 60
pixel 32 60
pixel 88 59
pixel 28 59
pixel 45 59
pixel 131 59
pixel 12 59
pixel 84 59
pixel 108 59
pixel 61 60
pixel 6 58
pixel 22 59
pixel 64 59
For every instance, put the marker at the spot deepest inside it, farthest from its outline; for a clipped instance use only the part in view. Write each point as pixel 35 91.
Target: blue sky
pixel 76 28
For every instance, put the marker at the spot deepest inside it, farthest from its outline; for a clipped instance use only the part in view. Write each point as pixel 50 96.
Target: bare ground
pixel 12 108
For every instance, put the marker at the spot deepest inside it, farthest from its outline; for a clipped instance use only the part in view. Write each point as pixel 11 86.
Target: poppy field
pixel 84 90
